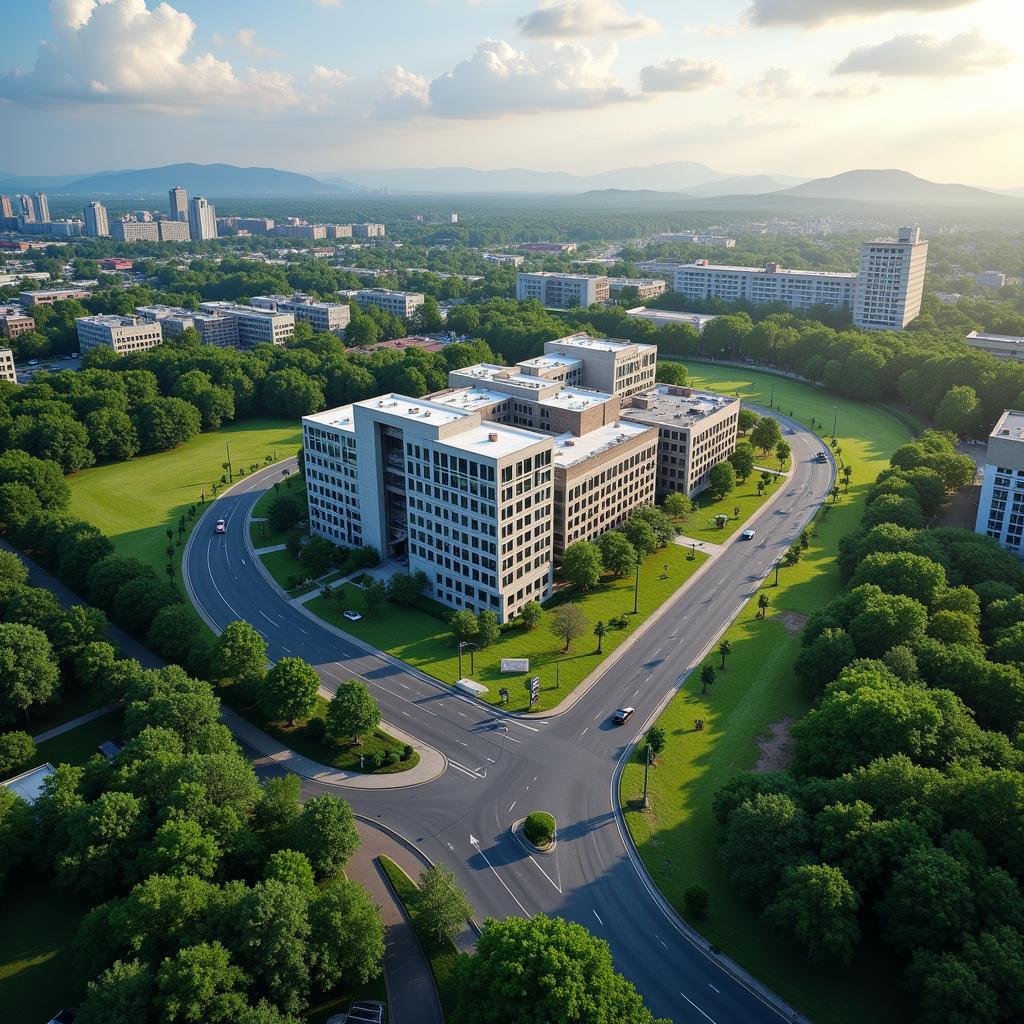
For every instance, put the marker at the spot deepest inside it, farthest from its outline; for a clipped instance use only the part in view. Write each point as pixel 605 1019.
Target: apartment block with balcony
pixel 1001 504
pixel 121 333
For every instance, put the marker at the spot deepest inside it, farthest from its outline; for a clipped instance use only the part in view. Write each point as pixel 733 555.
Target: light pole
pixel 636 588
pixel 835 420
pixel 771 399
pixel 777 573
pixel 473 646
pixel 647 769
pixel 228 447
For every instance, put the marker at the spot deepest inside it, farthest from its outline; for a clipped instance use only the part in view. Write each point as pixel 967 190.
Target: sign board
pixel 515 664
pixel 534 689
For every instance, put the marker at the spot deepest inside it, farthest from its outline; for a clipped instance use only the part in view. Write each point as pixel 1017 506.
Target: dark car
pixel 621 716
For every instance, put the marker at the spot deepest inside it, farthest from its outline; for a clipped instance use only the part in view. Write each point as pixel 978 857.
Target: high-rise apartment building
pixel 28 209
pixel 891 281
pixel 174 230
pixel 178 201
pixel 798 289
pixel 95 216
pixel 121 333
pixel 1001 505
pixel 202 219
pixel 255 326
pixel 42 207
pixel 6 209
pixel 561 291
pixel 135 231
pixel 402 304
pixel 324 317
pixel 7 370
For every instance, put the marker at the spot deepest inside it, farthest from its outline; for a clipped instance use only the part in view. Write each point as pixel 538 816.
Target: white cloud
pixel 571 19
pixel 121 52
pixel 774 84
pixel 848 92
pixel 402 94
pixel 918 55
pixel 498 79
pixel 324 76
pixel 244 39
pixel 817 12
pixel 681 74
pixel 741 128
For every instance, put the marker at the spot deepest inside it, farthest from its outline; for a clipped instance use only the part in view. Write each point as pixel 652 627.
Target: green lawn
pixel 260 532
pixel 677 836
pixel 701 525
pixel 71 702
pixel 440 954
pixel 283 567
pixel 426 642
pixel 77 745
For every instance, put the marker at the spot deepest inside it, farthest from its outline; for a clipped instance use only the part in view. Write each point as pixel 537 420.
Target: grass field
pixel 440 954
pixel 77 745
pixel 426 642
pixel 677 836
pixel 260 532
pixel 701 525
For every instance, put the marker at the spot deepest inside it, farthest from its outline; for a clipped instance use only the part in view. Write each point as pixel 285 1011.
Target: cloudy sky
pixel 803 87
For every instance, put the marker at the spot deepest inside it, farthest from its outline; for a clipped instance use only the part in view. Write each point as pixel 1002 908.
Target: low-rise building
pixel 212 328
pixel 111 263
pixel 121 333
pixel 548 246
pixel 561 291
pixel 14 322
pixel 504 259
pixel 671 317
pixel 1001 504
pixel 619 367
pixel 397 303
pixel 7 370
pixel 797 289
pixel 48 296
pixel 647 288
pixel 990 279
pixel 325 317
pixel 255 326
pixel 1002 346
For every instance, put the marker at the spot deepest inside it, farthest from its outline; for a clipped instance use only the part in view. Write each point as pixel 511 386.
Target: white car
pixel 221 526
pixel 747 535
pixel 352 616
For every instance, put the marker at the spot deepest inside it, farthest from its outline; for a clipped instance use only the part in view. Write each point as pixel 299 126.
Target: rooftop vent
pixel 492 436
pixel 570 443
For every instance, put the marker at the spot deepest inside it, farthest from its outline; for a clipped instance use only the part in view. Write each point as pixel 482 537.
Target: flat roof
pixel 764 270
pixel 29 785
pixel 416 409
pixel 509 374
pixel 1009 426
pixel 340 417
pixel 388 291
pixel 1006 339
pixel 575 399
pixel 670 406
pixel 109 320
pixel 469 399
pixel 571 450
pixel 560 273
pixel 550 361
pixel 597 344
pixel 493 440
pixel 669 314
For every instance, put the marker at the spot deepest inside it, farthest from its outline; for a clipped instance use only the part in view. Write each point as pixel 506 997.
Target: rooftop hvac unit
pixel 492 437
pixel 570 443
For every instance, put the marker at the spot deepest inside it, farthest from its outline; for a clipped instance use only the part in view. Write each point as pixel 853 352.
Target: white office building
pixel 398 303
pixel 212 328
pixel 797 289
pixel 891 281
pixel 95 216
pixel 323 317
pixel 671 317
pixel 1001 505
pixel 202 219
pixel 255 326
pixel 7 370
pixel 619 367
pixel 561 291
pixel 1002 346
pixel 121 333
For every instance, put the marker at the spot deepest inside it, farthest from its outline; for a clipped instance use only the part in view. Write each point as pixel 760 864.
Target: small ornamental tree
pixel 568 623
pixel 531 615
pixel 288 691
pixel 539 828
pixel 352 712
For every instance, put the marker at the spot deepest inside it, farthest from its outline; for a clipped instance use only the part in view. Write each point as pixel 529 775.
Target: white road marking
pixel 550 879
pixel 475 843
pixel 509 811
pixel 288 649
pixel 458 767
pixel 301 630
pixel 696 1007
pixel 713 989
pixel 636 691
pixel 266 616
pixel 584 731
pixel 407 715
pixel 598 916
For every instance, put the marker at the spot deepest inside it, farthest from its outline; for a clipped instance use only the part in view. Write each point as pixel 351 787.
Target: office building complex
pixel 48 296
pixel 561 291
pixel 178 203
pixel 1001 505
pixel 202 219
pixel 212 328
pixel 324 317
pixel 504 259
pixel 671 317
pixel 798 289
pixel 367 230
pixel 891 281
pixel 135 231
pixel 14 322
pixel 121 333
pixel 95 217
pixel 1002 346
pixel 255 326
pixel 646 287
pixel 402 304
pixel 619 367
pixel 468 503
pixel 7 370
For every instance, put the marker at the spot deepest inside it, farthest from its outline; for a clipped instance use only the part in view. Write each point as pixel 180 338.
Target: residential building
pixel 178 203
pixel 561 291
pixel 174 230
pixel 891 281
pixel 255 326
pixel 332 317
pixel 367 230
pixel 1001 505
pixel 665 269
pixel 15 322
pixel 696 430
pixel 48 296
pixel 95 216
pixel 28 209
pixel 621 368
pixel 468 503
pixel 212 328
pixel 42 207
pixel 671 317
pixel 990 279
pixel 398 303
pixel 300 231
pixel 647 288
pixel 6 209
pixel 797 289
pixel 7 370
pixel 1002 346
pixel 548 246
pixel 504 259
pixel 339 230
pixel 115 263
pixel 255 225
pixel 202 219
pixel 143 215
pixel 121 333
pixel 126 230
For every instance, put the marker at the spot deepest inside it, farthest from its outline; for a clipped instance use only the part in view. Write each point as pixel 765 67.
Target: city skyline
pixel 773 86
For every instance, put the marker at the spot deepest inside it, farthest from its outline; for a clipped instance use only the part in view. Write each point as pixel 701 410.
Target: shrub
pixel 373 761
pixel 696 900
pixel 316 729
pixel 539 828
pixel 406 752
pixel 390 757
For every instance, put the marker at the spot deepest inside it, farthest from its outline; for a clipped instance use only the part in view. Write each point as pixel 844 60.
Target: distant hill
pixel 744 184
pixel 892 186
pixel 202 179
pixel 14 183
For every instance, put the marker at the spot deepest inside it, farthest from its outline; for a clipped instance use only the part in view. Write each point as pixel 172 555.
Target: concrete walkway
pixel 269 549
pixel 59 730
pixel 704 547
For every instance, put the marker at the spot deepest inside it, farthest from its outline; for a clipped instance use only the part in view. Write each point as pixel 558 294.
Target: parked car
pixel 352 616
pixel 622 715
pixel 221 527
pixel 747 535
pixel 111 748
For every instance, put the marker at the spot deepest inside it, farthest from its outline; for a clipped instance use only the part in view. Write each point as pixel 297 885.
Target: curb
pixel 525 843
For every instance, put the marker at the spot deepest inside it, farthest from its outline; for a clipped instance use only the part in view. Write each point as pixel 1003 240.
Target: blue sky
pixel 803 87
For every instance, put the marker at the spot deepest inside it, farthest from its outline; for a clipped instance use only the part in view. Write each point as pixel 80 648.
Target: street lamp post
pixel 636 588
pixel 835 420
pixel 771 398
pixel 472 646
pixel 777 573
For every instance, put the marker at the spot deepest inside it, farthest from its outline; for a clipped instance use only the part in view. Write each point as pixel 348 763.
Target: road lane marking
pixel 509 811
pixel 266 616
pixel 288 649
pixel 475 843
pixel 458 767
pixel 713 989
pixel 584 731
pixel 636 691
pixel 697 1008
pixel 598 916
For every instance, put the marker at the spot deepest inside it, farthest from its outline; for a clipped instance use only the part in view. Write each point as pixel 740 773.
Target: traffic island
pixel 538 831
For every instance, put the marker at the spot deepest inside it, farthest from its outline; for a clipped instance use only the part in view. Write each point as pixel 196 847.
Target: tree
pixel 765 434
pixel 283 513
pixel 463 625
pixel 742 460
pixel 725 649
pixel 43 477
pixel 541 969
pixel 352 712
pixel 291 868
pixel 375 593
pixel 122 992
pixel 531 614
pixel 17 752
pixel 288 691
pixel 325 832
pixel 165 423
pixel 406 589
pixel 763 600
pixel 782 452
pixel 137 602
pixel 174 632
pixel 675 504
pixel 582 564
pixel 697 900
pixel 747 420
pixel 568 622
pixel 641 535
pixel 18 506
pixel 346 943
pixel 441 905
pixel 317 555
pixel 107 576
pixel 488 631
pixel 902 572
pixel 291 393
pixel 199 984
pixel 655 740
pixel 672 373
pixel 75 629
pixel 707 677
pixel 28 670
pixel 891 508
pixel 240 653
pixel 820 661
pixel 181 846
pixel 959 410
pixel 721 479
pixel 617 554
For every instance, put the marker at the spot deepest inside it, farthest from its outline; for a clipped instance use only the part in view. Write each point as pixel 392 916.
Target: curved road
pixel 501 767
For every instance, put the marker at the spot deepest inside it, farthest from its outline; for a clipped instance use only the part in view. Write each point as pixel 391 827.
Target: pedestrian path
pixel 59 730
pixel 267 550
pixel 705 547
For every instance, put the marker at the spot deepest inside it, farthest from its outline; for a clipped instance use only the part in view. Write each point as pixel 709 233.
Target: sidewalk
pixel 59 730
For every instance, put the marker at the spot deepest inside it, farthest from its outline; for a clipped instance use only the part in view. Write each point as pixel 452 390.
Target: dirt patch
pixel 792 621
pixel 776 748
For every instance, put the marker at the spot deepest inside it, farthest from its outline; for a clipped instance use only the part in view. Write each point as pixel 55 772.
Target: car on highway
pixel 352 616
pixel 747 535
pixel 821 457
pixel 221 526
pixel 33 362
pixel 622 715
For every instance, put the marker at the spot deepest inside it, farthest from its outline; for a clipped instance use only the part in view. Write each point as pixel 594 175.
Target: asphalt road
pixel 502 767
